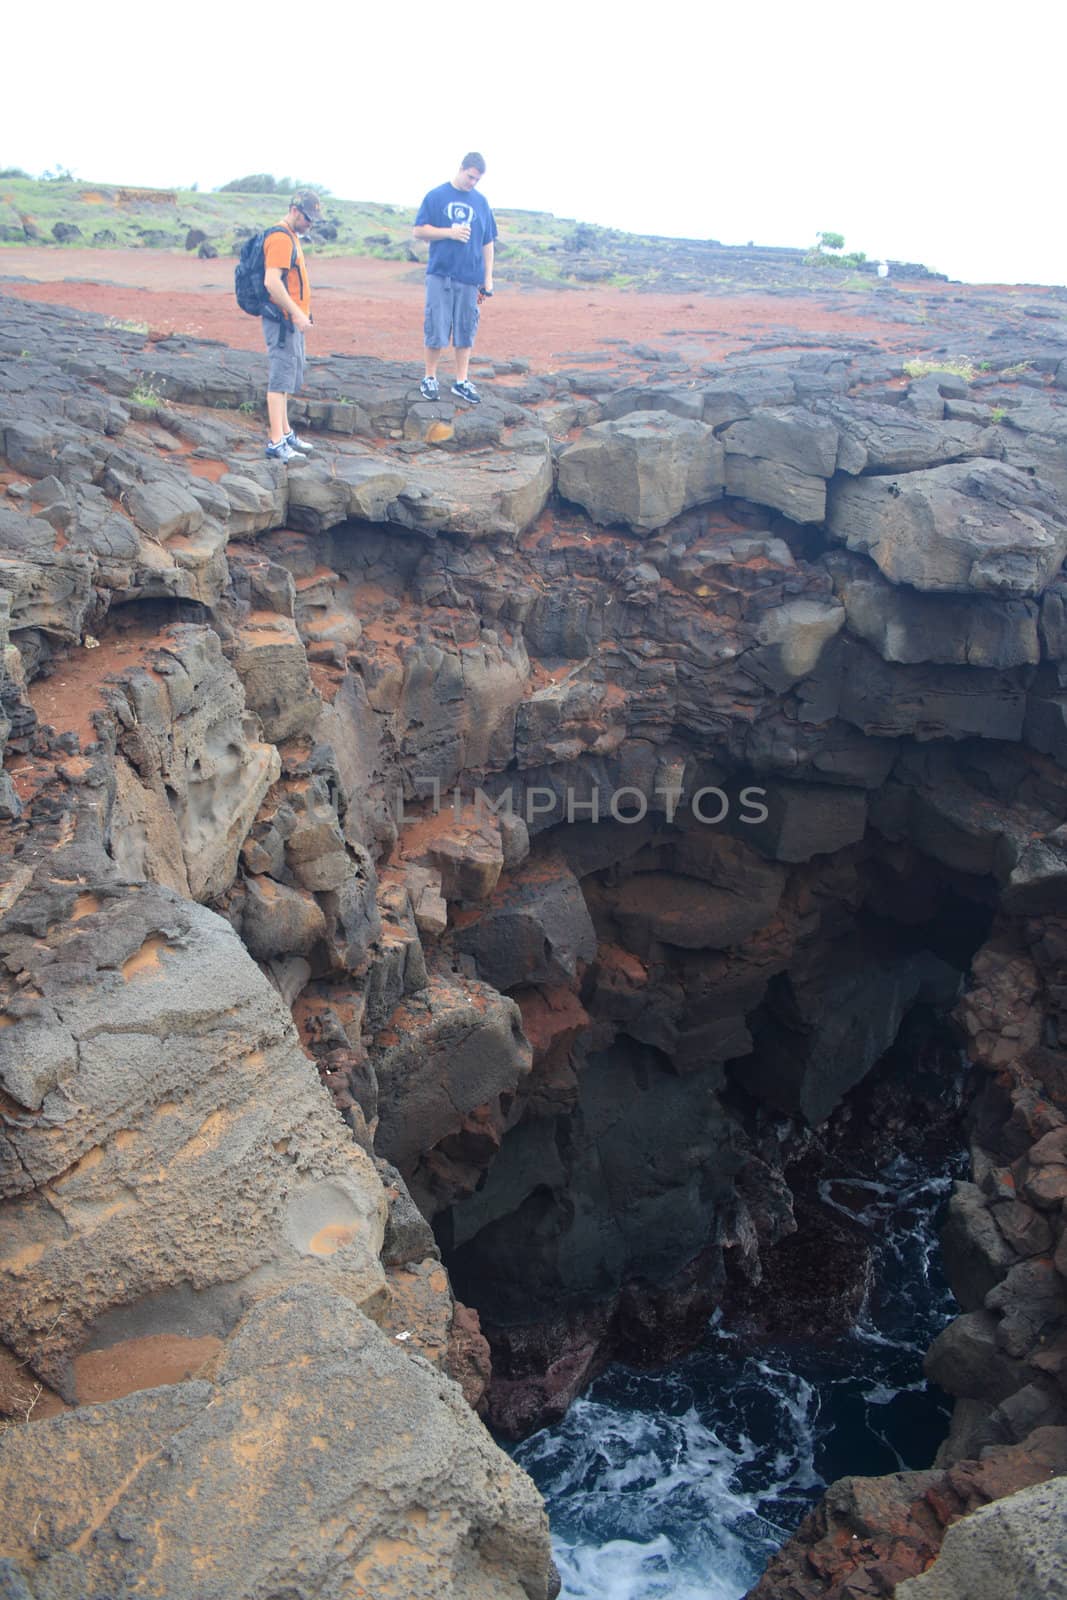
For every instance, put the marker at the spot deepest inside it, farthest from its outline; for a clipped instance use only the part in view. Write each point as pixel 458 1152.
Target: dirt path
pixel 369 307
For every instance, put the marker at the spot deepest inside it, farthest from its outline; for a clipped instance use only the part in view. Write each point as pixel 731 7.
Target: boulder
pixel 172 1134
pixel 905 624
pixel 1016 1546
pixel 484 500
pixel 786 437
pixel 535 928
pixel 445 1051
pixel 647 397
pixel 643 470
pixel 971 527
pixel 881 438
pixel 966 1360
pixel 800 496
pixel 469 860
pixel 314 1434
pixel 975 1253
pixel 804 820
pixel 278 921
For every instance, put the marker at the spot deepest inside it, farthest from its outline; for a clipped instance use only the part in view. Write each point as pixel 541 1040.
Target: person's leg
pixel 298 360
pixel 437 322
pixel 277 415
pixel 285 350
pixel 464 328
pixel 465 315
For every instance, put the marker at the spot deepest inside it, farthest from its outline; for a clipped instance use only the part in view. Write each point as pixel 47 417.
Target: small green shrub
pixel 147 395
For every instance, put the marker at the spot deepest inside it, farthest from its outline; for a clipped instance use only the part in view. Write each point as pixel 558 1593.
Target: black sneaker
pixel 300 445
pixel 430 389
pixel 466 391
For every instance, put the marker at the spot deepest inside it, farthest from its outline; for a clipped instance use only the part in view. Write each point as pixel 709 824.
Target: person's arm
pixel 279 294
pixel 426 230
pixel 487 267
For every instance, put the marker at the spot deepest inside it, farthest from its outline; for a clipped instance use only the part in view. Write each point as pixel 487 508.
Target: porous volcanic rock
pixel 312 1419
pixel 164 1128
pixel 1017 1546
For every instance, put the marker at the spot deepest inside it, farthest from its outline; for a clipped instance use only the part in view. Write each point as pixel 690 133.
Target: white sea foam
pixel 679 1485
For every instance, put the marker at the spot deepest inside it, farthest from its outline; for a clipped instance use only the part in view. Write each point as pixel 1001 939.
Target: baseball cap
pixel 308 202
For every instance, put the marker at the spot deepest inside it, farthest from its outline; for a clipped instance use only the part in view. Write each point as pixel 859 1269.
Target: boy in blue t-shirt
pixel 460 227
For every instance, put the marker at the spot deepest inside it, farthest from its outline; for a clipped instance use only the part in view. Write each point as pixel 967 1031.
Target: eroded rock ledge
pixel 585 785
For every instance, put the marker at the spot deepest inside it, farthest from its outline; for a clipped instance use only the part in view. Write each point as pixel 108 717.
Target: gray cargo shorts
pixel 287 357
pixel 451 312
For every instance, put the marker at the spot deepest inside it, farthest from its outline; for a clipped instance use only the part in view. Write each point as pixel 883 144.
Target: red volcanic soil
pixel 367 307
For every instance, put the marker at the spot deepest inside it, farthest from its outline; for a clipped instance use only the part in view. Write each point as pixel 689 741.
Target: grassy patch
pixel 959 366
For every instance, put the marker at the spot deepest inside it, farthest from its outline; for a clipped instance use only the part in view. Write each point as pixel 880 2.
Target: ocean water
pixel 678 1485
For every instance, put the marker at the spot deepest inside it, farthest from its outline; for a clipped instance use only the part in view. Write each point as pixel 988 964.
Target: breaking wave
pixel 678 1485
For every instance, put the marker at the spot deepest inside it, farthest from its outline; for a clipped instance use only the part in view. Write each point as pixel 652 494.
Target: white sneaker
pixel 282 452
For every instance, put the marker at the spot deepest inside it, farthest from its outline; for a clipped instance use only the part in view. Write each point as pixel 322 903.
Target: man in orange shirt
pixel 286 281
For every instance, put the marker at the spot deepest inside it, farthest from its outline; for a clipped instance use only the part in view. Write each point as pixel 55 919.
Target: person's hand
pixel 485 293
pixel 301 321
pixel 460 230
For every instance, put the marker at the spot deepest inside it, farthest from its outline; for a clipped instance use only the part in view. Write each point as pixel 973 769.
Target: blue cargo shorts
pixel 287 357
pixel 451 312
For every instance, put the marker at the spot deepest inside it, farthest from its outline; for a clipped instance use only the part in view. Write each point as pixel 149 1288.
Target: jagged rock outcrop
pixel 869 1536
pixel 1017 1546
pixel 309 1420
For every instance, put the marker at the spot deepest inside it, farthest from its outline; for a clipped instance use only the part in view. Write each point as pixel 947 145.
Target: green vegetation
pixel 147 395
pixel 998 413
pixel 828 251
pixel 263 183
pixel 960 366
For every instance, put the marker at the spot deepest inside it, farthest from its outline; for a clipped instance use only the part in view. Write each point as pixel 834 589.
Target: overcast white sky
pixel 924 130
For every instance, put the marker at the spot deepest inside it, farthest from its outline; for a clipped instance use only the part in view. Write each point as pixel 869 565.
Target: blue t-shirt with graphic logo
pixel 451 258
